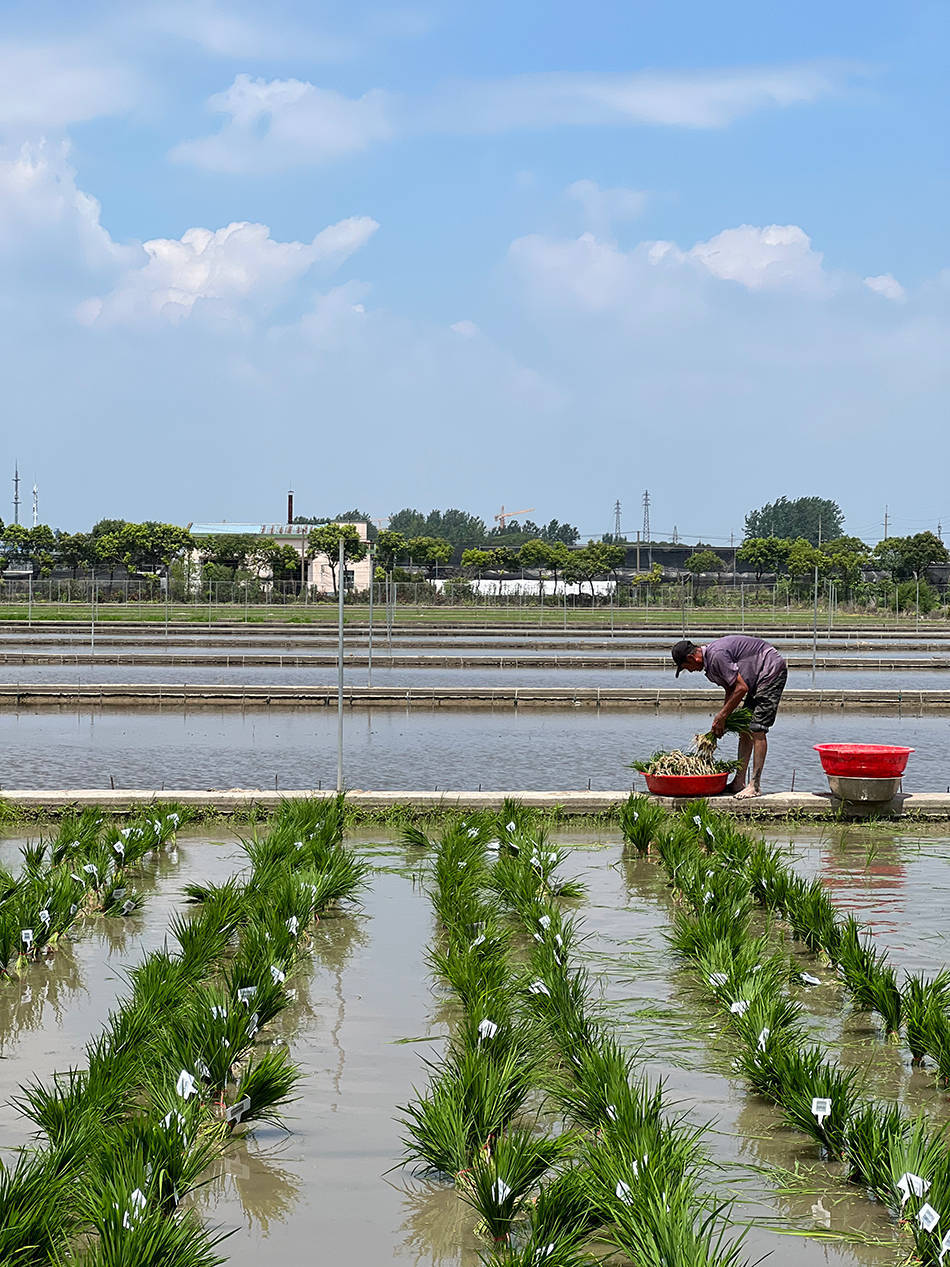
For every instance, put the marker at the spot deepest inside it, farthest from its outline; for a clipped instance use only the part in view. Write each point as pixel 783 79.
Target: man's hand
pixel 719 726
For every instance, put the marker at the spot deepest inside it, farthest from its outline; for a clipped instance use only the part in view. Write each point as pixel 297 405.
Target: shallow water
pixel 334 1180
pixel 506 749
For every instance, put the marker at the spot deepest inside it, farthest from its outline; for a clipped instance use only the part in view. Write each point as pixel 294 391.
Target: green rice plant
pixel 691 934
pixel 805 1080
pixel 562 1252
pixel 640 821
pixel 337 876
pixel 415 837
pixel 210 1036
pixel 812 916
pixel 561 1001
pixel 255 983
pixel 127 1235
pixel 34 858
pixel 770 1018
pixel 8 885
pixel 936 1039
pixel 475 971
pixel 470 1101
pixel 870 1136
pixel 769 877
pixel 164 1157
pixel 76 832
pixel 37 1202
pixel 740 972
pixel 627 1171
pixel 920 1151
pixel 501 1178
pixel 70 1101
pixel 562 1214
pixel 203 941
pixel 668 1229
pixel 677 850
pixel 9 939
pixel 871 982
pixel 597 1087
pixel 268 1083
pixel 921 996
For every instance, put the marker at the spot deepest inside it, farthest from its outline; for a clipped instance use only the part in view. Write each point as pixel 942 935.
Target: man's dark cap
pixel 680 653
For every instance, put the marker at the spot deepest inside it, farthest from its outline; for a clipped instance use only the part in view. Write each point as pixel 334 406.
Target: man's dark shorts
pixel 763 701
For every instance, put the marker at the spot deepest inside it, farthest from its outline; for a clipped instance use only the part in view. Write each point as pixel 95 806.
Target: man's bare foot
pixel 747 792
pixel 731 788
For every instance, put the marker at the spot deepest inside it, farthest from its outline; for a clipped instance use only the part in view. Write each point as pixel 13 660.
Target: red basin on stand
pixel 863 760
pixel 686 784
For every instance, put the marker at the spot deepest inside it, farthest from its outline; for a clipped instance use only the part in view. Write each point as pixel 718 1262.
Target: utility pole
pixel 676 536
pixel 939 531
pixel 35 506
pixel 885 523
pixel 16 493
pixel 646 516
pixel 616 521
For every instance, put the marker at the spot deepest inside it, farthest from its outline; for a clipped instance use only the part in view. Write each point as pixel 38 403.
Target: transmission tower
pixel 676 535
pixel 16 494
pixel 36 505
pixel 646 515
pixel 617 520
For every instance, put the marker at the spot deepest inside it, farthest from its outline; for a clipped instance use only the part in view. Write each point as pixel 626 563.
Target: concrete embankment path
pixel 568 804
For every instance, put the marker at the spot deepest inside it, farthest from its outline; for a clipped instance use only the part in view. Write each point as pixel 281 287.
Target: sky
pixel 440 253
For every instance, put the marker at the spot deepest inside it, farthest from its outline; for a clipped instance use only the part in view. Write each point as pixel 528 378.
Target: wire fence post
pixel 339 675
pixel 369 673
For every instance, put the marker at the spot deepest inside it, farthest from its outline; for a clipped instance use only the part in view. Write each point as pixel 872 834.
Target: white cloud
pixel 689 99
pixel 887 285
pixel 220 272
pixel 602 208
pixel 779 256
pixel 238 31
pixel 51 86
pixel 466 329
pixel 285 122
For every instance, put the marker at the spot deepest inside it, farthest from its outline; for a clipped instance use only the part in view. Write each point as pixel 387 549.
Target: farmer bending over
pixel 747 669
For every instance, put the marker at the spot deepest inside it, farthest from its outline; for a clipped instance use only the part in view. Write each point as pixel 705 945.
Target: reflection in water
pixel 438 1226
pixel 40 996
pixel 254 1177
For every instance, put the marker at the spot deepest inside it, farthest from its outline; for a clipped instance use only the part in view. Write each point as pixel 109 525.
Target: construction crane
pixel 504 515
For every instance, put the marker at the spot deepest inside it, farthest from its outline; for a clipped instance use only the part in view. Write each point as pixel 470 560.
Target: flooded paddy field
pixel 367 1013
pixel 826 676
pixel 419 749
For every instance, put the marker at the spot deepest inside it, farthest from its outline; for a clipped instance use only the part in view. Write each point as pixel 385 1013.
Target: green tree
pixel 106 526
pixel 326 539
pixel 430 552
pixel 537 554
pixel 848 557
pixel 803 558
pixel 594 560
pixel 479 560
pixel 904 557
pixel 705 561
pixel 813 518
pixel 389 545
pixel 229 550
pixel 76 550
pixel 281 560
pixel 763 554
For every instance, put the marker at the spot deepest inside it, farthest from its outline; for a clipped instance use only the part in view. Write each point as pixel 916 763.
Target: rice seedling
pixel 816 1095
pixel 415 837
pixel 692 932
pixel 921 997
pixel 562 1214
pixel 538 1252
pixel 37 1202
pixel 667 1230
pixel 469 1103
pixel 500 1179
pixel 202 940
pixel 128 1234
pixel 267 1084
pixel 640 821
pixel 478 974
pixel 598 1087
pixel 627 1172
pixel 873 1131
pixel 679 762
pixel 812 916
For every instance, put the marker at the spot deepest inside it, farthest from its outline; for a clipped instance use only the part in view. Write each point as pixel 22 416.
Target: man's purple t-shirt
pixel 756 659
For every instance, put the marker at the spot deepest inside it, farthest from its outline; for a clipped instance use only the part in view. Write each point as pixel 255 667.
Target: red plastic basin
pixel 687 784
pixel 863 760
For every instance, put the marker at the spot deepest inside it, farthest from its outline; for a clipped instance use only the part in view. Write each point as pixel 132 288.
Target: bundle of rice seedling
pixel 812 915
pixel 920 998
pixel 562 1214
pixel 816 1095
pixel 37 1204
pixel 739 722
pixel 678 762
pixel 267 1083
pixel 640 821
pixel 501 1177
pixel 872 1133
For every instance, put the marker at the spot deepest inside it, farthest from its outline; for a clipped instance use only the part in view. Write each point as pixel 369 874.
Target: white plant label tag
pixel 127 908
pixel 120 849
pixel 808 979
pixel 545 921
pixel 44 916
pixel 218 1012
pixel 118 894
pixel 611 1112
pixel 73 908
pixel 487 1028
pixel 246 993
pixel 293 924
pixel 478 940
pixel 538 987
pixel 944 1246
pixel 91 869
pixel 739 1008
pixel 186 1085
pixel 927 1217
pixel 544 1252
pixel 623 1192
pixel 203 1069
pixel 697 820
pixel 718 978
pixel 509 826
pixel 500 1191
pixel 26 936
pixel 763 1037
pixel 252 1025
pixel 279 977
pixel 909 1184
pixel 237 1110
pixel 821 1108
pixel 175 1117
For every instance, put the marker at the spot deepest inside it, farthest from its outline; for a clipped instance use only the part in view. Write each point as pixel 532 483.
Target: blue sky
pixel 444 254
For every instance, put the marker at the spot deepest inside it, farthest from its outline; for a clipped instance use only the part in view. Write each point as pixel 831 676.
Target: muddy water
pixel 506 749
pixel 333 1179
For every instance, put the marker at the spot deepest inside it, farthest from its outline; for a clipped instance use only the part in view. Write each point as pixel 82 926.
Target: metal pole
pixel 369 674
pixel 917 624
pixel 339 676
pixel 92 623
pixel 814 634
pixel 742 600
pixel 30 599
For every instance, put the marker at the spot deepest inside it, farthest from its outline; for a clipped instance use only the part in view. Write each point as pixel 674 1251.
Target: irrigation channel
pixel 368 1008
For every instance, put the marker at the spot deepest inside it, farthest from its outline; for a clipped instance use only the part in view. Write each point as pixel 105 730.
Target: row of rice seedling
pixel 617 1167
pixel 178 1067
pixel 85 869
pixel 714 869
